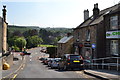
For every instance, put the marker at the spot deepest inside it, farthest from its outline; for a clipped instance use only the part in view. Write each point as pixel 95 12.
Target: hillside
pixel 48 35
pixel 22 29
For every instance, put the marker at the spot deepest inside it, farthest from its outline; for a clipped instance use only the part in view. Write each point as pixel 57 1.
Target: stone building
pixel 89 36
pixel 65 45
pixel 4 31
pixel 0 36
pixel 112 26
pixel 6 55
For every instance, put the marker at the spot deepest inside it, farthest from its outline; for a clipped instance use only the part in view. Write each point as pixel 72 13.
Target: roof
pixel 65 39
pixel 90 21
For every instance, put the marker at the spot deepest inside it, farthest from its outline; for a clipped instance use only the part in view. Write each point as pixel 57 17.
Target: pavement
pixel 104 74
pixel 14 68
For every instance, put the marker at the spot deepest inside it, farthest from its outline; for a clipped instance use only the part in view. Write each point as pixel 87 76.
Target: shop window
pixel 114 47
pixel 114 22
pixel 88 35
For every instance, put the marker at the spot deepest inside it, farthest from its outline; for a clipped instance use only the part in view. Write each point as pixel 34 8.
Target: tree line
pixel 31 38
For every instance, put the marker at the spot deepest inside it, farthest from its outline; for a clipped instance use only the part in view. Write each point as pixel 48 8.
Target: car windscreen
pixel 56 60
pixel 74 57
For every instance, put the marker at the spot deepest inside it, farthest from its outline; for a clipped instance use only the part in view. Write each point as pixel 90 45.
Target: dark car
pixel 71 61
pixel 26 53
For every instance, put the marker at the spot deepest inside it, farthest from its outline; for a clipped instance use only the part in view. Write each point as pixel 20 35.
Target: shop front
pixel 78 48
pixel 113 43
pixel 87 50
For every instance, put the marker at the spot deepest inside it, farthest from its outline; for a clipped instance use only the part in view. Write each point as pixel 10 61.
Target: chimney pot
pixel 96 5
pixel 86 14
pixel 96 11
pixel 4 13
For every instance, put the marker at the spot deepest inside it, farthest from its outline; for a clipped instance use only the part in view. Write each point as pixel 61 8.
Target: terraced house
pixel 112 26
pixel 65 45
pixel 90 36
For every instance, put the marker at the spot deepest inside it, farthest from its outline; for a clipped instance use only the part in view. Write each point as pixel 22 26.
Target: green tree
pixel 33 41
pixel 17 33
pixel 20 42
pixel 11 41
pixel 30 32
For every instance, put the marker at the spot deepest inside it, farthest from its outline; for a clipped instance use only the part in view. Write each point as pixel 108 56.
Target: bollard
pixel 6 66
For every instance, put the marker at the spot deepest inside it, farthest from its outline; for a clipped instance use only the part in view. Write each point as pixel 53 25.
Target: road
pixel 35 69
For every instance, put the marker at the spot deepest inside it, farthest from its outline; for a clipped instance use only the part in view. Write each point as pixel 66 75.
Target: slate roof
pixel 90 21
pixel 65 39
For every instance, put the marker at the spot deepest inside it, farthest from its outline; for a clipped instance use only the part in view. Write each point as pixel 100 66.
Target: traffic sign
pixel 93 46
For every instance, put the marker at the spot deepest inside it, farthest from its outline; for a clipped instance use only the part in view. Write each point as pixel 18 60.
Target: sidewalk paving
pixel 104 74
pixel 14 67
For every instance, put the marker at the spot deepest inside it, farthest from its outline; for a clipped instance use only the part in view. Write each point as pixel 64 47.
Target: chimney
pixel 86 14
pixel 4 13
pixel 96 11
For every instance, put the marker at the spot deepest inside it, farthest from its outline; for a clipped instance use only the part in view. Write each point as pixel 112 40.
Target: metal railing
pixel 108 61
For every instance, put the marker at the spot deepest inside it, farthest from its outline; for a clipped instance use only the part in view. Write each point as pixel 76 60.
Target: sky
pixel 50 13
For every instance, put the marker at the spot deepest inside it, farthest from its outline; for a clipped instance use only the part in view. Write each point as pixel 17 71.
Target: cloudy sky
pixel 50 13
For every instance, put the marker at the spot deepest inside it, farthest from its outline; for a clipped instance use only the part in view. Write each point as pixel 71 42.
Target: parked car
pixel 50 61
pixel 46 61
pixel 87 63
pixel 71 61
pixel 55 63
pixel 26 53
pixel 41 58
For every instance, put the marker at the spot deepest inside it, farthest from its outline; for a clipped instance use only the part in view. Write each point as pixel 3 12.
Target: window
pixel 114 22
pixel 114 47
pixel 88 35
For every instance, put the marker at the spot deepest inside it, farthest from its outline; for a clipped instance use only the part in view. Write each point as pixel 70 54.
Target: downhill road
pixel 35 69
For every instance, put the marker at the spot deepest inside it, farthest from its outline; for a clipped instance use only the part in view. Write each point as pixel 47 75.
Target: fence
pixel 105 63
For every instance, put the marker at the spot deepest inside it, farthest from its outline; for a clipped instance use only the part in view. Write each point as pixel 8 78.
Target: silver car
pixel 55 63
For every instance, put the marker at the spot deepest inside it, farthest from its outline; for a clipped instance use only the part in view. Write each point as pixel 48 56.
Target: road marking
pixel 14 76
pixel 16 70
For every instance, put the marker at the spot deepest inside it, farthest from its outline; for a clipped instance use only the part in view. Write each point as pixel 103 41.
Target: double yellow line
pixel 15 72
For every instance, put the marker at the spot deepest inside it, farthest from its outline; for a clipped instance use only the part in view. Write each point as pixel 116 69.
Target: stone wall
pixel 8 59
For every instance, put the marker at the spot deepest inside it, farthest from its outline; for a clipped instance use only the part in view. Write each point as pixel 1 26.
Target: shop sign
pixel 113 34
